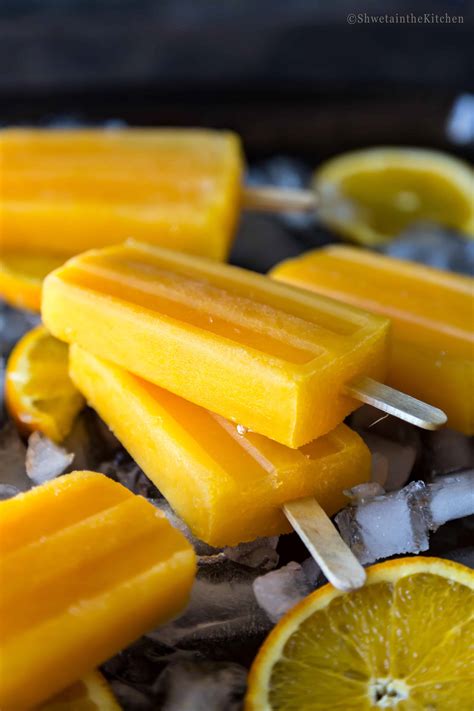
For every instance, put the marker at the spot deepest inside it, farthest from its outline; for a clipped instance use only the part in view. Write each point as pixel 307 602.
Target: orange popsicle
pixel 65 191
pixel 86 567
pixel 432 312
pixel 272 358
pixel 228 485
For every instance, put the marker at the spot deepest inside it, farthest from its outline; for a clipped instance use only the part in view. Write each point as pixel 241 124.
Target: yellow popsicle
pixel 64 191
pixel 86 567
pixel 432 312
pixel 264 355
pixel 228 485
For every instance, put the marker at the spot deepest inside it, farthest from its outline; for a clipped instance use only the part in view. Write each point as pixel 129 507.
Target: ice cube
pixel 460 128
pixel 12 459
pixel 386 525
pixel 447 451
pixel 223 619
pixel 451 497
pixel 44 459
pixel 202 686
pixel 400 457
pixel 7 491
pixel 279 590
pixel 260 553
pixel 364 492
pixel 433 245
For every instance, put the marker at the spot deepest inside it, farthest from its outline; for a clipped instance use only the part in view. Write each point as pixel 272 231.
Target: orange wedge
pixel 21 278
pixel 38 391
pixel 89 694
pixel 369 196
pixel 400 642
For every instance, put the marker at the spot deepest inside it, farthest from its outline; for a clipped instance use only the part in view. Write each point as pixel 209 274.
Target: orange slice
pixel 400 642
pixel 372 195
pixel 21 278
pixel 38 391
pixel 89 694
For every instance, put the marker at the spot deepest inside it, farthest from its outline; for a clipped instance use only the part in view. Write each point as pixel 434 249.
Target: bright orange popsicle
pixel 272 358
pixel 65 191
pixel 432 311
pixel 228 485
pixel 86 567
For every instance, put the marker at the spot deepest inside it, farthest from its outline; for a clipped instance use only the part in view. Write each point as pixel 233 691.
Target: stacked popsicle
pixel 227 387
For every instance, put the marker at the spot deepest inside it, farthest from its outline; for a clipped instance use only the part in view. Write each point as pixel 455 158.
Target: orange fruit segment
pixel 91 693
pixel 400 642
pixel 38 390
pixel 370 196
pixel 21 278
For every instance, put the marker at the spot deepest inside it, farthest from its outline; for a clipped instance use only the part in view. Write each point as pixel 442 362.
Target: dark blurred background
pixel 295 78
pixel 291 76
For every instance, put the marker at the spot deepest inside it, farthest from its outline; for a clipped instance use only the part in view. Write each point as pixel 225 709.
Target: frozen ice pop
pixel 86 567
pixel 432 312
pixel 64 191
pixel 228 485
pixel 269 357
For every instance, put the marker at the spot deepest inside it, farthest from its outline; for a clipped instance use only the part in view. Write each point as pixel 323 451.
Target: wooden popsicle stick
pixel 273 199
pixel 396 403
pixel 334 557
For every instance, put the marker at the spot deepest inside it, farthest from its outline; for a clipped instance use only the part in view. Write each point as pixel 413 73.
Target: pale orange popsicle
pixel 228 485
pixel 86 567
pixel 432 312
pixel 264 355
pixel 64 191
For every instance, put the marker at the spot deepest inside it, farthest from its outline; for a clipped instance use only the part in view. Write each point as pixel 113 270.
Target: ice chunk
pixel 460 128
pixel 12 459
pixel 364 492
pixel 386 525
pixel 435 246
pixel 7 491
pixel 223 619
pixel 260 553
pixel 280 590
pixel 447 451
pixel 399 522
pixel 400 458
pixel 451 497
pixel 202 686
pixel 44 459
